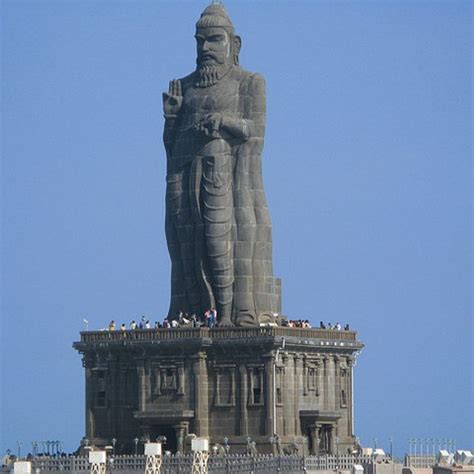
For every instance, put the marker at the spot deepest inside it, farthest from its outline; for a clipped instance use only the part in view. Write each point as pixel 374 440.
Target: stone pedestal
pixel 289 384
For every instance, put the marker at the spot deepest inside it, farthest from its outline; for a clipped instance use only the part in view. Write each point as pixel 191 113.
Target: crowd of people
pixel 296 323
pixel 208 319
pixel 337 326
pixel 305 324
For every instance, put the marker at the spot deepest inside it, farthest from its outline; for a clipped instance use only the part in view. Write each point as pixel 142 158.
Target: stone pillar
pixel 337 382
pixel 320 382
pixel 269 394
pixel 297 387
pixel 333 434
pixel 314 437
pixel 328 402
pixel 141 385
pixel 317 439
pixel 201 396
pixel 243 400
pixel 350 396
pixel 122 386
pixel 305 375
pixel 156 391
pixel 162 379
pixel 287 394
pixel 180 381
pixel 181 430
pixel 89 401
pixel 114 396
pixel 147 383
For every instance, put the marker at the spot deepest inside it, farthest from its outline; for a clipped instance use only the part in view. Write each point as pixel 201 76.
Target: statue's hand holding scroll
pixel 219 125
pixel 173 99
pixel 211 125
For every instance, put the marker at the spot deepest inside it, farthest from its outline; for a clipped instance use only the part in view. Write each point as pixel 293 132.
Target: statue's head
pixel 217 43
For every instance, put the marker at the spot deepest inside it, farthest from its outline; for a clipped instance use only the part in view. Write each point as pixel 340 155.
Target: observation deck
pixel 315 337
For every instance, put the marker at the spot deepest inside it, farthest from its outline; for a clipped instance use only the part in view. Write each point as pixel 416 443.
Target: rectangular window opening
pixel 101 398
pixel 257 393
pixel 279 397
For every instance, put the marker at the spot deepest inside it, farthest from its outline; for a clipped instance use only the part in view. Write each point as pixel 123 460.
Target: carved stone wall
pixel 239 387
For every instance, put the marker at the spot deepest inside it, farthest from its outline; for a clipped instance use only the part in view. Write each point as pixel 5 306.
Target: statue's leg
pixel 180 236
pixel 178 295
pixel 217 212
pixel 200 249
pixel 173 204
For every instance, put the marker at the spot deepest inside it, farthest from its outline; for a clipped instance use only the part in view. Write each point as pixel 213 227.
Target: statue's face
pixel 213 46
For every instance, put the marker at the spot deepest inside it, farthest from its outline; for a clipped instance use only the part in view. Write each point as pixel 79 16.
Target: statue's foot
pixel 246 318
pixel 225 323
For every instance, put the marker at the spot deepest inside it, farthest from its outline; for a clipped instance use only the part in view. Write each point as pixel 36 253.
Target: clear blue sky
pixel 367 167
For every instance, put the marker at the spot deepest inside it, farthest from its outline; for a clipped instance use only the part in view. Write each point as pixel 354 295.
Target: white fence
pixel 420 461
pixel 181 464
pixel 344 462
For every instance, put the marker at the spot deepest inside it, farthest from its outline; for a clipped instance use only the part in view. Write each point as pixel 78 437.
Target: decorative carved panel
pixel 225 385
pixel 310 373
pixel 256 384
pixel 167 379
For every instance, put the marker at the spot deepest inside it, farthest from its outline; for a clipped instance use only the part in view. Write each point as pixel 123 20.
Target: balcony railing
pixel 168 334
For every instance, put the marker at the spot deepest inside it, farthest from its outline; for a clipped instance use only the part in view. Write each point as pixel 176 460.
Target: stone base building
pixel 222 383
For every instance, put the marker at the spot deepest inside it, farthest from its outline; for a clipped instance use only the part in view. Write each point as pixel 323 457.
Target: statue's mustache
pixel 208 58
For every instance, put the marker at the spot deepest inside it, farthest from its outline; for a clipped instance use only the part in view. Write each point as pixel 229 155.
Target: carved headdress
pixel 216 16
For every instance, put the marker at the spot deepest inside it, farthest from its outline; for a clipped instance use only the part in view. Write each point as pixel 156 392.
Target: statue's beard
pixel 210 73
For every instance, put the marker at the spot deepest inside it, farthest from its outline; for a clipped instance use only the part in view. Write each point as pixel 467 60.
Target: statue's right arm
pixel 172 102
pixel 252 124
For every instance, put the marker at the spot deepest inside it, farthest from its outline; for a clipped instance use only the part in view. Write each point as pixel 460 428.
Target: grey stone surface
pixel 218 226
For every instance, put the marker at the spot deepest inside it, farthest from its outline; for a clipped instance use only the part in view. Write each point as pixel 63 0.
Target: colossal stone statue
pixel 218 227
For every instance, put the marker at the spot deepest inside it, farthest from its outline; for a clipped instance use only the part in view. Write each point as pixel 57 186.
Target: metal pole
pixel 136 445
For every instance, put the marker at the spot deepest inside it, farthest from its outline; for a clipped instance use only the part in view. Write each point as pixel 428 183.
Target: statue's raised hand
pixel 173 99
